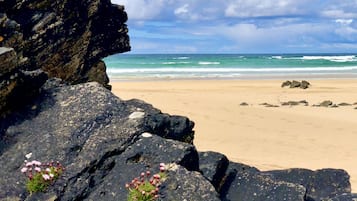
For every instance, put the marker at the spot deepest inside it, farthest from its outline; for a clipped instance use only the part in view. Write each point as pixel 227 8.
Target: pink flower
pixel 24 169
pixel 162 164
pixel 28 164
pixel 38 163
pixel 46 177
pixel 37 169
pixel 162 168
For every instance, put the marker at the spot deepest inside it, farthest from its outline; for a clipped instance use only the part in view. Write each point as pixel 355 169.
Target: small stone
pixel 136 115
pixel 344 104
pixel 244 104
pixel 326 103
pixel 286 84
pixel 146 135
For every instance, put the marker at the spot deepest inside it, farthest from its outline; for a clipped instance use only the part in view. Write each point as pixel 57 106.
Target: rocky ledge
pixel 66 39
pixel 104 142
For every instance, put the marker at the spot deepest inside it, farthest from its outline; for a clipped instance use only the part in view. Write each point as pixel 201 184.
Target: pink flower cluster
pixel 48 170
pixel 145 185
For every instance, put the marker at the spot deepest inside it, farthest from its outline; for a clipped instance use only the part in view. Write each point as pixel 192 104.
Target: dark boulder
pixel 326 103
pixel 246 183
pixel 213 166
pixel 86 128
pixel 286 84
pixel 320 185
pixel 171 127
pixel 295 84
pixel 305 84
pixel 184 185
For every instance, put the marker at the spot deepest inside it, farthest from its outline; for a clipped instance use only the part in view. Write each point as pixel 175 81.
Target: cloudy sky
pixel 242 26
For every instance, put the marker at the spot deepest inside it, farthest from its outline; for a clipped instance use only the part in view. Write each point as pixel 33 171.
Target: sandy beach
pixel 264 137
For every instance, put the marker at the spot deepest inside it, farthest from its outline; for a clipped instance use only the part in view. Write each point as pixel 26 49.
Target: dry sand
pixel 267 138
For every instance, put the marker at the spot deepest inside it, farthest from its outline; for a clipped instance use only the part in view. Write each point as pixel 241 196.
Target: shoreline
pixel 267 138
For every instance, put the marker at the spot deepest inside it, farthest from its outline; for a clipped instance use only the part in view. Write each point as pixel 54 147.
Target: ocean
pixel 230 66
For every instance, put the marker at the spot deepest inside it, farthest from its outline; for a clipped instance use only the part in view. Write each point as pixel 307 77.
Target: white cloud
pixel 338 14
pixel 259 8
pixel 142 9
pixel 344 21
pixel 182 10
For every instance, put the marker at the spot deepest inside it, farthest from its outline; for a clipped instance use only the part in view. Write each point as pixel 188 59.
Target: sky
pixel 242 26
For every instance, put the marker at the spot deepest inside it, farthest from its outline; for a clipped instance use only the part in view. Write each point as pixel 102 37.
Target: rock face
pixel 66 39
pixel 105 142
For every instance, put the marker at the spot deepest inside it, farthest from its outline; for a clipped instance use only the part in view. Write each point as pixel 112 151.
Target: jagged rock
pixel 246 183
pixel 295 84
pixel 8 60
pixel 320 185
pixel 67 39
pixel 190 186
pixel 286 84
pixel 86 128
pixel 304 84
pixel 171 127
pixel 213 166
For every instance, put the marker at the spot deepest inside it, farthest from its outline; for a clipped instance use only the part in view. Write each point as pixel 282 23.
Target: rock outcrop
pixel 105 142
pixel 296 84
pixel 66 39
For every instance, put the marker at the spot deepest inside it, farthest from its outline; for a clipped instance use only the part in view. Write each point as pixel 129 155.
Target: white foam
pixel 181 58
pixel 277 57
pixel 224 70
pixel 209 63
pixel 345 58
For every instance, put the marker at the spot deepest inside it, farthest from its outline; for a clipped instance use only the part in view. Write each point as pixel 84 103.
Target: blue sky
pixel 242 26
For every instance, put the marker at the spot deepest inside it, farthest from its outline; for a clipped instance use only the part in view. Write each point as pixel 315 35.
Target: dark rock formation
pixel 104 143
pixel 294 103
pixel 296 84
pixel 66 39
pixel 92 133
pixel 326 103
pixel 214 166
pixel 320 184
pixel 286 84
pixel 16 85
pixel 304 84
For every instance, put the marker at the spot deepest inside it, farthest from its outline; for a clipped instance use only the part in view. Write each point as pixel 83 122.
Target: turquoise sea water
pixel 230 66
